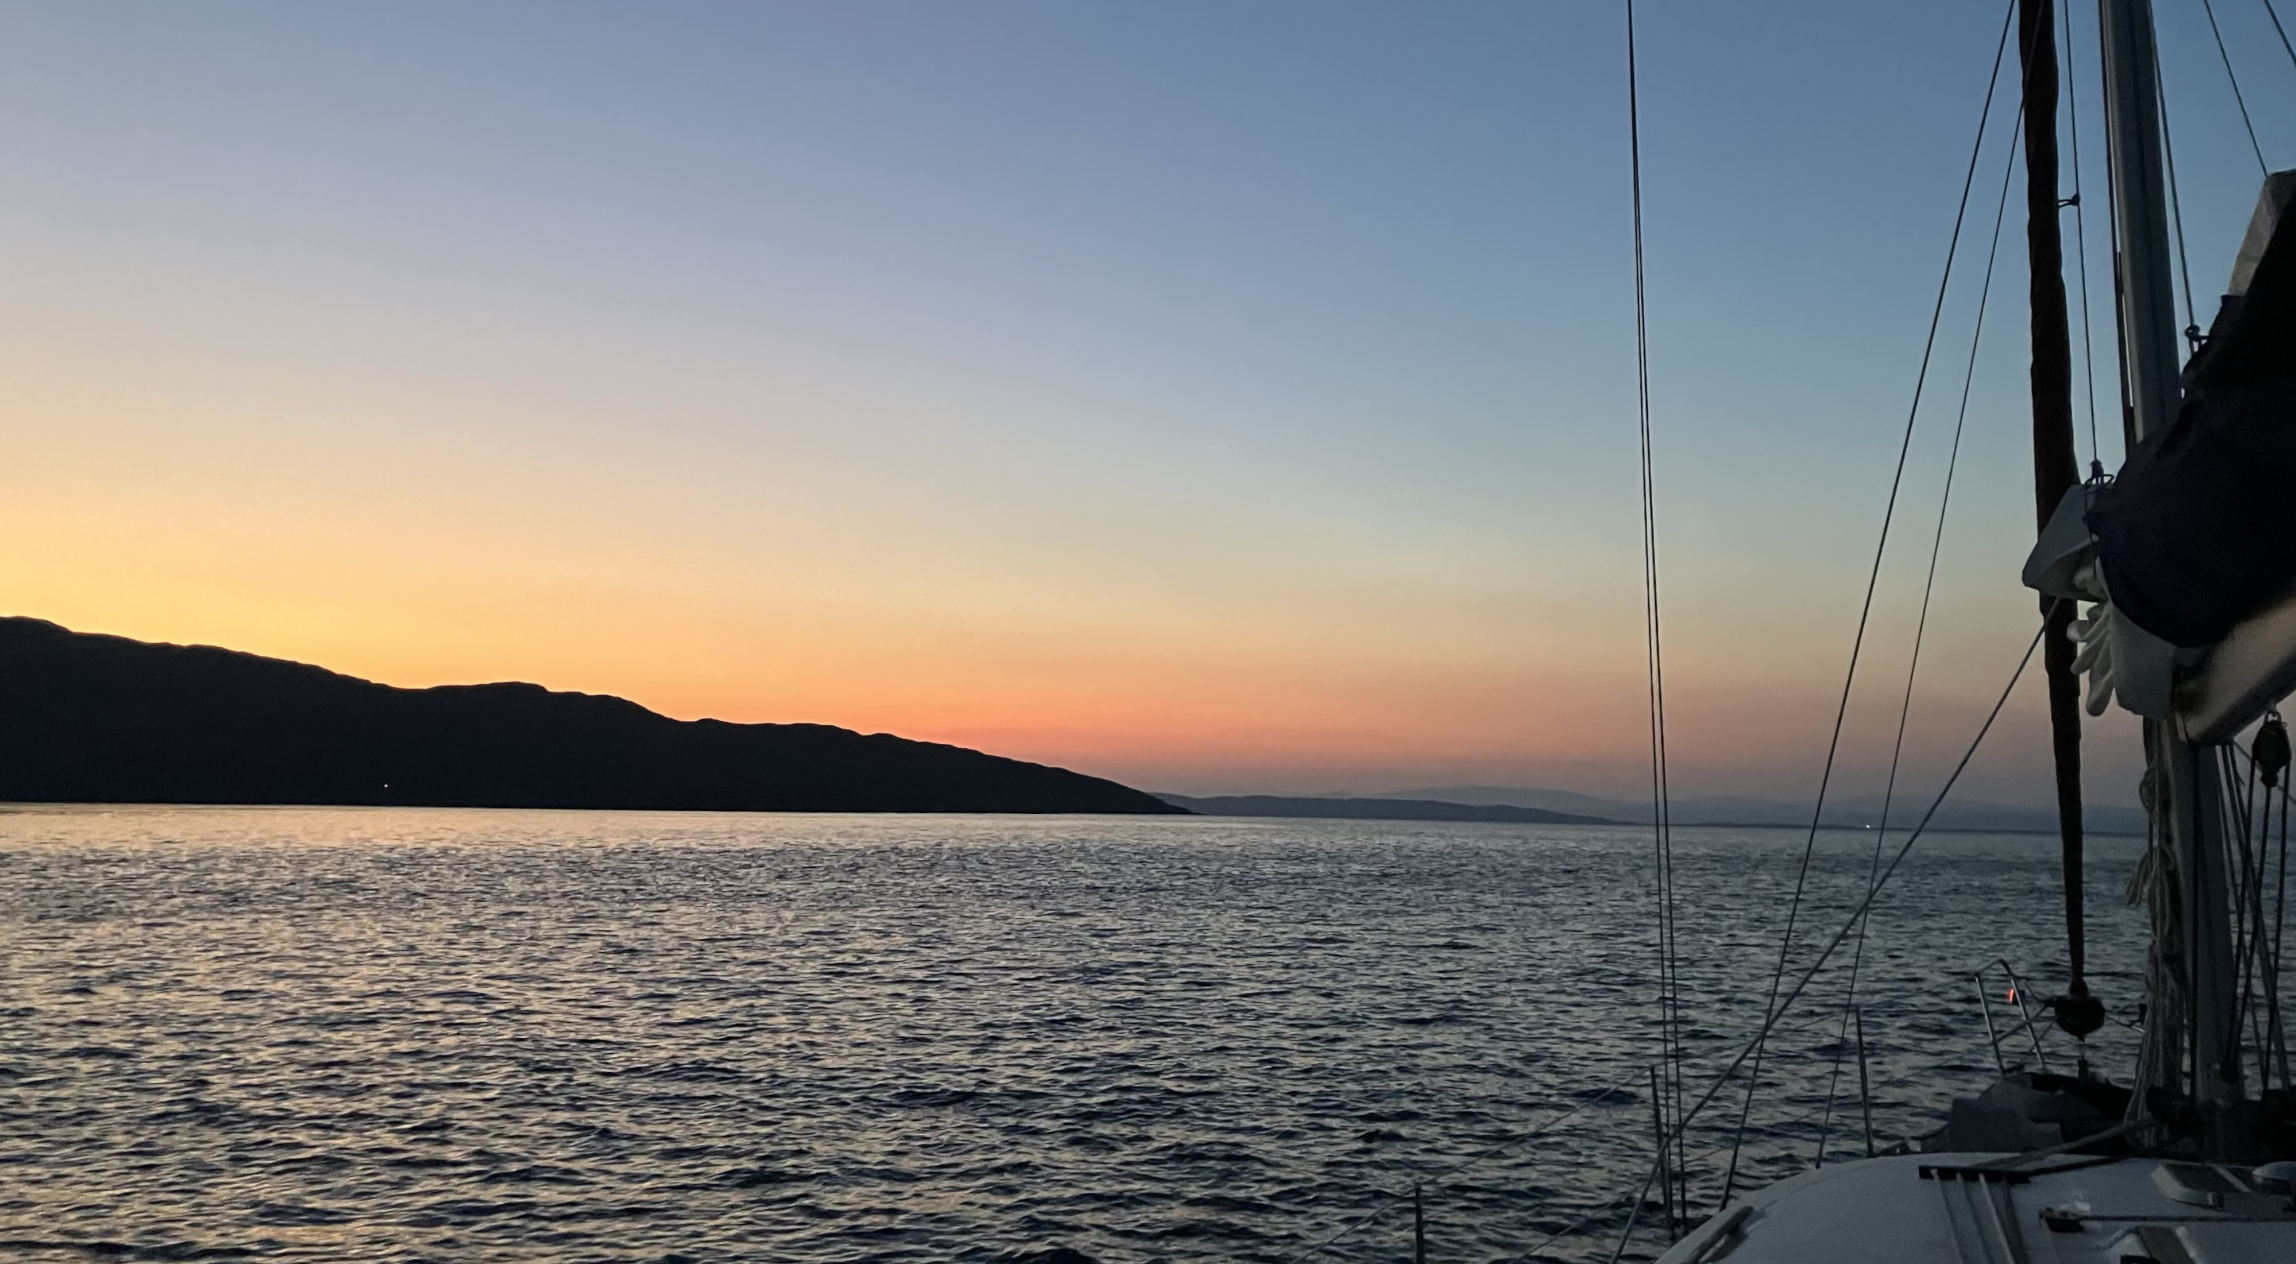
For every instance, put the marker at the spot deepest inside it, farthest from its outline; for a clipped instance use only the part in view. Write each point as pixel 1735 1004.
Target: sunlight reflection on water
pixel 509 1035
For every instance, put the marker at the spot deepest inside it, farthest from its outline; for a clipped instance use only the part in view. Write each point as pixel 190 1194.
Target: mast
pixel 2056 471
pixel 2150 361
pixel 2149 354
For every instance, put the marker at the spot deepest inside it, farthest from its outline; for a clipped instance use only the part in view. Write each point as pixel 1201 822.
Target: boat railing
pixel 2029 1014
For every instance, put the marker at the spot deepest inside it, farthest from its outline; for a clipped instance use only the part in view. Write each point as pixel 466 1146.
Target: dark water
pixel 460 1035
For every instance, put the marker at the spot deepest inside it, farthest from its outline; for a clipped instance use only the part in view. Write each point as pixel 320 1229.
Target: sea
pixel 476 1035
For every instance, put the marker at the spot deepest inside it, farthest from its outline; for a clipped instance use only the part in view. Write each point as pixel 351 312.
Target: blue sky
pixel 1217 396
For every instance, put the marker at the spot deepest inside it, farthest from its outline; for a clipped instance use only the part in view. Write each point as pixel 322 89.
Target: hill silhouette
pixel 104 719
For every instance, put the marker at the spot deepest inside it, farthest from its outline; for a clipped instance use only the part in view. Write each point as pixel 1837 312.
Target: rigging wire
pixel 2263 947
pixel 2120 369
pixel 2175 207
pixel 1873 893
pixel 1873 580
pixel 2246 872
pixel 1669 999
pixel 1435 1178
pixel 1533 1253
pixel 2281 31
pixel 2237 98
pixel 2279 922
pixel 2081 249
pixel 2256 968
pixel 2266 1017
pixel 1921 624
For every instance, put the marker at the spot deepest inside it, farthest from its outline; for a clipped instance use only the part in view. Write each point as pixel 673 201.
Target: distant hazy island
pixel 103 719
pixel 1531 806
pixel 1352 809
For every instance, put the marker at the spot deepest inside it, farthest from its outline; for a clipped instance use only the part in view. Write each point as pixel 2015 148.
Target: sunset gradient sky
pixel 1215 396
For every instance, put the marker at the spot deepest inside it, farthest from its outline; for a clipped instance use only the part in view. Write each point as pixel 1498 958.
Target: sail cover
pixel 2199 529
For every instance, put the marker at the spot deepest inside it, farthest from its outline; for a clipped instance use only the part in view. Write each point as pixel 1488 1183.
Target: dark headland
pixel 102 719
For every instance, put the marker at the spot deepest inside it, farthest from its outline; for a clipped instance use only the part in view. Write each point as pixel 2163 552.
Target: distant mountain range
pixel 88 718
pixel 1853 812
pixel 1375 809
pixel 92 718
pixel 1530 806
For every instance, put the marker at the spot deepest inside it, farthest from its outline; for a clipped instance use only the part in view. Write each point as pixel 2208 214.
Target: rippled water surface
pixel 357 1034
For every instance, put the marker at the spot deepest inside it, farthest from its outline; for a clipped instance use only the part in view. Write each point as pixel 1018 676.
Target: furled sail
pixel 2197 533
pixel 2190 552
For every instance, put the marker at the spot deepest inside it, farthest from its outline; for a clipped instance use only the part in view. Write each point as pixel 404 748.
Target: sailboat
pixel 2172 587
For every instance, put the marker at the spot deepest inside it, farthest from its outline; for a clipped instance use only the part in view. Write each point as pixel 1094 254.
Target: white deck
pixel 2104 1213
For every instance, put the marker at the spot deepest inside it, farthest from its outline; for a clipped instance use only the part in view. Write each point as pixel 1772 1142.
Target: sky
pixel 1213 396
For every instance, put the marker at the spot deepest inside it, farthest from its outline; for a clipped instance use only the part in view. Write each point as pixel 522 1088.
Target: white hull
pixel 1949 1209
